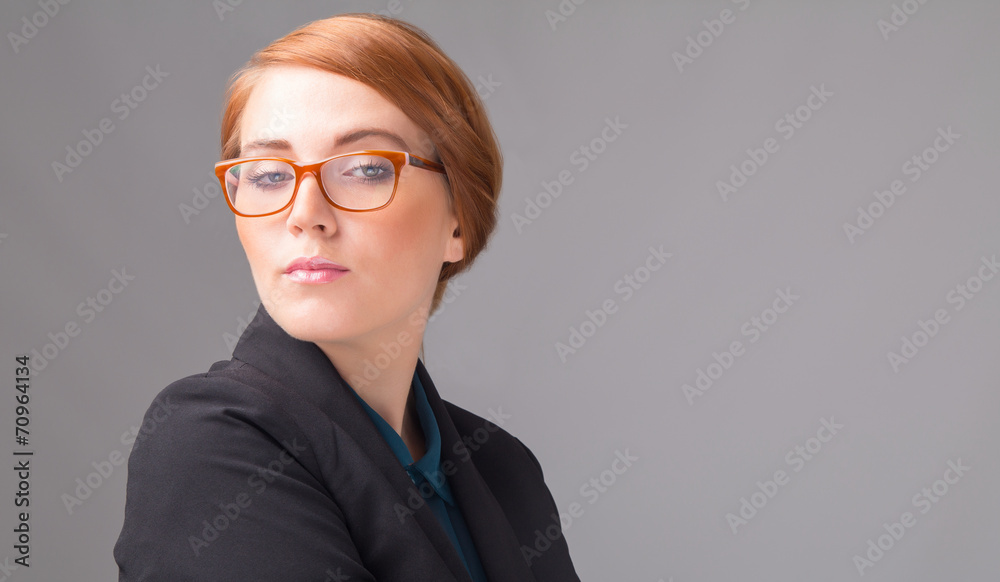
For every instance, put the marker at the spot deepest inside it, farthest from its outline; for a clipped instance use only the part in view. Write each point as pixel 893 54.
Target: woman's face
pixel 393 256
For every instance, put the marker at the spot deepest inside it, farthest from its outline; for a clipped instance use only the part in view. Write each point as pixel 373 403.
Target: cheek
pixel 412 235
pixel 252 238
pixel 407 248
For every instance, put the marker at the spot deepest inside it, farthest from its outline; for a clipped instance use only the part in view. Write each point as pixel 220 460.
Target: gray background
pixel 494 343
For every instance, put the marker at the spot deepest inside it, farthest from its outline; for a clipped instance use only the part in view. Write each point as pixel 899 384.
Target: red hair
pixel 402 63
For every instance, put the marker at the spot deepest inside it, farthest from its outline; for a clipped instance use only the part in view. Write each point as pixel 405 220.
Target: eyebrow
pixel 346 139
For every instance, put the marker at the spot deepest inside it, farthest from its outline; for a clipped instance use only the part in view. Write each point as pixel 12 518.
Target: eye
pixel 370 169
pixel 267 175
pixel 270 177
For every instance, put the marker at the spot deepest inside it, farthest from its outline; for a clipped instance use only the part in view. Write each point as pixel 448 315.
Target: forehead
pixel 309 108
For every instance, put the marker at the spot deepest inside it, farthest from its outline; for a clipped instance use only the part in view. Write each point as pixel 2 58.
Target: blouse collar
pixel 428 468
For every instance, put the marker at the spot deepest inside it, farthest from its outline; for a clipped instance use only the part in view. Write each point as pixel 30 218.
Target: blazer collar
pixel 303 367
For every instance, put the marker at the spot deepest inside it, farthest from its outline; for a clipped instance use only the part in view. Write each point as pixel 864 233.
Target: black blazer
pixel 267 468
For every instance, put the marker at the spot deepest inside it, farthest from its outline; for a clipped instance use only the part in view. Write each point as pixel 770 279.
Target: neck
pixel 387 389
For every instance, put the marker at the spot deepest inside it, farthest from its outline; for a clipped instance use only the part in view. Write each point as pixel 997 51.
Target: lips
pixel 316 263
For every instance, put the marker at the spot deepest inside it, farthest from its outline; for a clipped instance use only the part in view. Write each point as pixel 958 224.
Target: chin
pixel 314 320
pixel 315 329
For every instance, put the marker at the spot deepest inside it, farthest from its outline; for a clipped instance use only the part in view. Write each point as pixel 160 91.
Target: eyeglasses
pixel 358 182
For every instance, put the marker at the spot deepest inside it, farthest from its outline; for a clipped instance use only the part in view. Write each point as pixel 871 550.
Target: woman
pixel 364 174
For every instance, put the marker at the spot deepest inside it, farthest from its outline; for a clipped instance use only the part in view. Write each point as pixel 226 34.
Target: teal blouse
pixel 441 501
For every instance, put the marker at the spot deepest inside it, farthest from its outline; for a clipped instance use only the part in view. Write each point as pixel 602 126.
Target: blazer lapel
pixel 498 547
pixel 303 368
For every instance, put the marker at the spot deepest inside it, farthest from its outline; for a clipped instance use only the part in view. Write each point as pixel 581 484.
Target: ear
pixel 454 250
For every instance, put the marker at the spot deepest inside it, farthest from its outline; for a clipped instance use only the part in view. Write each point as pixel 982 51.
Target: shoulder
pixel 221 401
pixel 220 425
pixel 208 429
pixel 209 447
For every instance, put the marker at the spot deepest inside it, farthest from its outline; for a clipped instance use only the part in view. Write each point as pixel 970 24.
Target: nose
pixel 311 213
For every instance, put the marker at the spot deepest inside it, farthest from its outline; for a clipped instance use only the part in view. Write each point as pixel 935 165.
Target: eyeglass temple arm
pixel 426 164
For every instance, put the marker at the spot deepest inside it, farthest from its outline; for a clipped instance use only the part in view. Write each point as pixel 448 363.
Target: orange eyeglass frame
pixel 398 159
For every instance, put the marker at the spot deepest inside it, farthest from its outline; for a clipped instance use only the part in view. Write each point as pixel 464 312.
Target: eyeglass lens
pixel 358 182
